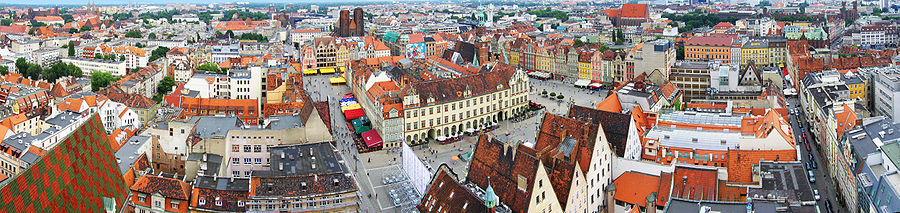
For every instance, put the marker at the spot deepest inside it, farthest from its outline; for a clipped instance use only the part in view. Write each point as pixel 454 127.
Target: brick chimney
pixel 651 203
pixel 610 198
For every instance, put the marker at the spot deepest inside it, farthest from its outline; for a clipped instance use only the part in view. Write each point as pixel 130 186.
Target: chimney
pixel 651 203
pixel 610 198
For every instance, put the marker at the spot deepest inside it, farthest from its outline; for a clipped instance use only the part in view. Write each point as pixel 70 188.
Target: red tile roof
pixel 167 187
pixel 695 183
pixel 633 187
pixel 446 194
pixel 635 11
pixel 709 41
pixel 503 165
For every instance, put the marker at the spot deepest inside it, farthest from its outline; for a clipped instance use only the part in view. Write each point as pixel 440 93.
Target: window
pixel 235 161
pixel 235 148
pixel 257 161
pixel 240 203
pixel 246 148
pixel 142 198
pixel 235 173
pixel 247 161
pixel 246 173
pixel 257 148
pixel 175 204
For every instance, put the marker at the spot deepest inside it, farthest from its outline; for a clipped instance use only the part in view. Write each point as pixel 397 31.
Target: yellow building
pixel 542 60
pixel 584 65
pixel 757 51
pixel 857 86
pixel 704 48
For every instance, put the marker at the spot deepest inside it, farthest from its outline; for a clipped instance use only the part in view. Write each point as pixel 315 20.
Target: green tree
pixel 67 18
pixel 620 37
pixel 101 80
pixel 164 87
pixel 73 30
pixel 209 67
pixel 152 36
pixel 229 34
pixel 4 70
pixel 33 72
pixel 5 22
pixel 122 58
pixel 71 48
pixel 603 48
pixel 38 24
pixel 159 52
pixel 577 43
pixel 84 28
pixel 133 34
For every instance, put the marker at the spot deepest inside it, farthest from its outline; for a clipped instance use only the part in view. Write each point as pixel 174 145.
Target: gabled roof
pixel 503 166
pixel 167 187
pixel 615 125
pixel 446 194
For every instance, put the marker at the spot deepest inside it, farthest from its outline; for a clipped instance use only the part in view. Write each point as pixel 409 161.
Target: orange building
pixel 153 193
pixel 704 48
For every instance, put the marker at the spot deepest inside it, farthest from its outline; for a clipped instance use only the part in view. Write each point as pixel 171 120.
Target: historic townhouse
pixel 450 106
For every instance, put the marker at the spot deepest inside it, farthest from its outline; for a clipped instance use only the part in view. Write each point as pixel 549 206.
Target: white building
pixel 88 65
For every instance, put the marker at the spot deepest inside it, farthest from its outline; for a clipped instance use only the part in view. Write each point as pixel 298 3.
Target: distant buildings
pixel 351 26
pixel 88 65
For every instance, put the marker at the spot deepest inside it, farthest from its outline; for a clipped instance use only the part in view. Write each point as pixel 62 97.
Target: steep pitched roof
pixel 81 170
pixel 446 194
pixel 615 125
pixel 167 187
pixel 503 166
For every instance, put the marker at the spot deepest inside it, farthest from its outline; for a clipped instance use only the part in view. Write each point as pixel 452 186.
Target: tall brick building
pixel 351 26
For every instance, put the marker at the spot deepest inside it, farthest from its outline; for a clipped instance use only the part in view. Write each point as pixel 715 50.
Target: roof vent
pixel 303 185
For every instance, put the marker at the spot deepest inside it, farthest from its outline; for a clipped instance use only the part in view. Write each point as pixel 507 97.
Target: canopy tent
pixel 582 82
pixel 372 138
pixel 342 69
pixel 354 114
pixel 595 85
pixel 355 106
pixel 470 130
pixel 361 129
pixel 339 80
pixel 348 103
pixel 347 96
pixel 327 70
pixel 441 138
pixel 310 72
pixel 539 74
pixel 466 156
pixel 361 121
pixel 346 99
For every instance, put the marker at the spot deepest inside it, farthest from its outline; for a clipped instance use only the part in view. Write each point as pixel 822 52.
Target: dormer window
pixel 240 203
pixel 218 201
pixel 202 201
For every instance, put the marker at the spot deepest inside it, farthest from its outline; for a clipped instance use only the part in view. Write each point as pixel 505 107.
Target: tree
pixel 133 34
pixel 620 37
pixel 38 24
pixel 152 36
pixel 4 70
pixel 560 97
pixel 544 92
pixel 552 94
pixel 71 48
pixel 5 22
pixel 33 72
pixel 159 52
pixel 679 51
pixel 603 48
pixel 67 18
pixel 122 58
pixel 101 80
pixel 209 67
pixel 577 43
pixel 84 28
pixel 73 30
pixel 164 87
pixel 229 34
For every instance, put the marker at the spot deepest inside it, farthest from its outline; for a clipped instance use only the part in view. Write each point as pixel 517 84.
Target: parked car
pixel 816 194
pixel 812 177
pixel 807 147
pixel 828 206
pixel 813 164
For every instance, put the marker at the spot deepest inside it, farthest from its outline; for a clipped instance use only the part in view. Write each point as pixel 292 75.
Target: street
pixel 823 183
pixel 372 169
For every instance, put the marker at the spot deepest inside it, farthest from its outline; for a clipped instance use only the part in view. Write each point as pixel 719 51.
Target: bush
pixel 560 97
pixel 553 94
pixel 544 92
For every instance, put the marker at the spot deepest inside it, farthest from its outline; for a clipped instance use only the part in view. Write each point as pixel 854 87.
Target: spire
pixel 490 198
